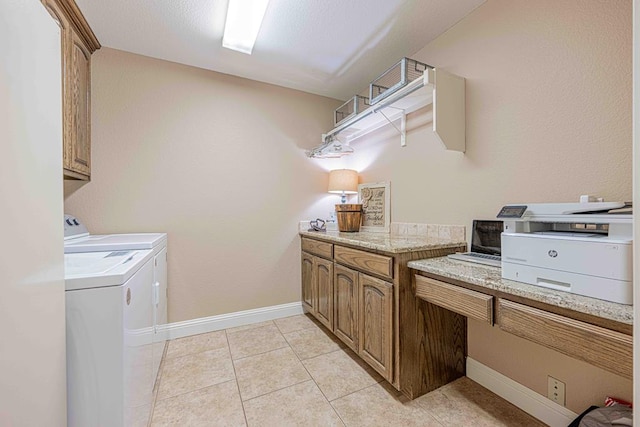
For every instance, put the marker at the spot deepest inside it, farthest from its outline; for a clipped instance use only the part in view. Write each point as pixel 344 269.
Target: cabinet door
pixel 77 151
pixel 376 324
pixel 345 299
pixel 308 288
pixel 323 271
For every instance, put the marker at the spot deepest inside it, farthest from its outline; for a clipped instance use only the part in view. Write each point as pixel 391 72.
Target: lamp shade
pixel 343 181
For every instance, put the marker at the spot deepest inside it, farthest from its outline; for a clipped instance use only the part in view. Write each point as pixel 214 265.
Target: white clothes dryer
pixel 109 322
pixel 78 240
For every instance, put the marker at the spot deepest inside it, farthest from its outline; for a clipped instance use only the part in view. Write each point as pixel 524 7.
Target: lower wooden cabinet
pixel 356 307
pixel 323 270
pixel 363 317
pixel 365 298
pixel 375 324
pixel 317 288
pixel 308 291
pixel 345 300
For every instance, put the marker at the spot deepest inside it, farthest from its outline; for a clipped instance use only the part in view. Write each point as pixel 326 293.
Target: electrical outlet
pixel 555 390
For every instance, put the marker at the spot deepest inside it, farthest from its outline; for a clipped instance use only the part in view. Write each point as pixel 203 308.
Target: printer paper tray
pixel 620 291
pixel 597 257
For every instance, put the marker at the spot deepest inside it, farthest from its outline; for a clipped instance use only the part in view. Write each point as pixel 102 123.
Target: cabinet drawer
pixel 455 298
pixel 370 263
pixel 317 247
pixel 601 347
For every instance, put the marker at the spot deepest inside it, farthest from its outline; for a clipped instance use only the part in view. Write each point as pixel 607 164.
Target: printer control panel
pixel 512 211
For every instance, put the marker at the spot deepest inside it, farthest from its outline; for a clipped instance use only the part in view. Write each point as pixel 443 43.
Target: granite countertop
pixel 491 278
pixel 384 242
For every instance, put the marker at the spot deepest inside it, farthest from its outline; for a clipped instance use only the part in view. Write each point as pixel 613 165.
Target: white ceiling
pixel 327 47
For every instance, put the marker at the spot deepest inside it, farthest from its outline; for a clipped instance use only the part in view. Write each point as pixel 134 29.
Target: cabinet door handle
pixel 156 293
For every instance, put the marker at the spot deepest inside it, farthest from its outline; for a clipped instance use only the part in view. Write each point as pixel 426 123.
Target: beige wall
pixel 33 381
pixel 215 161
pixel 548 119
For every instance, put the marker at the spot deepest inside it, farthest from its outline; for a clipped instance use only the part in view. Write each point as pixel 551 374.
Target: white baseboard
pixel 524 398
pixel 229 320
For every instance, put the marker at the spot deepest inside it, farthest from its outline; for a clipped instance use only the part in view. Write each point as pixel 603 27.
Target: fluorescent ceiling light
pixel 244 18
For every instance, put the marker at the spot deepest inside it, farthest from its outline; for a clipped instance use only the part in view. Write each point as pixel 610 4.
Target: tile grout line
pixel 258 354
pixel 294 384
pixel 156 386
pixel 423 408
pixel 288 345
pixel 319 388
pixel 438 420
pixel 321 354
pixel 195 389
pixel 339 397
pixel 228 347
pixel 340 348
pixel 235 374
pixel 247 328
pixel 274 391
pixel 345 351
pixel 165 359
pixel 282 388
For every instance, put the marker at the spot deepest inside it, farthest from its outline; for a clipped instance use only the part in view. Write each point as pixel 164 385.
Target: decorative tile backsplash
pixel 456 233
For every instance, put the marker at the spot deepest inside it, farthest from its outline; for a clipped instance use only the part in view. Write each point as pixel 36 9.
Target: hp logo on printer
pixel 552 253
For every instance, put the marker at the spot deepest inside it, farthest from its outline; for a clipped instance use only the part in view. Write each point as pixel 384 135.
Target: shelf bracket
pixel 403 127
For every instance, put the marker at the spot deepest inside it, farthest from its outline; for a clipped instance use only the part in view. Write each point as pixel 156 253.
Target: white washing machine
pixel 79 241
pixel 109 338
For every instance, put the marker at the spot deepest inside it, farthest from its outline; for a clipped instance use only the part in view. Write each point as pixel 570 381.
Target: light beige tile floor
pixel 291 372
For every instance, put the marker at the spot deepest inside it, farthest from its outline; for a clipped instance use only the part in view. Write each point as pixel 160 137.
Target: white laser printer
pixel 573 247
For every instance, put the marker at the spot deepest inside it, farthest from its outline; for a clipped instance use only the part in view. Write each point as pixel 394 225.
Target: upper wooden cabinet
pixel 78 43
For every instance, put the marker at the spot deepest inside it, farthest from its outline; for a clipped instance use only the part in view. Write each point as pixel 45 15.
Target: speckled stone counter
pixel 491 278
pixel 384 242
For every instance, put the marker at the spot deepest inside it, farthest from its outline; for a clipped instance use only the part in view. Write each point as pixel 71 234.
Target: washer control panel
pixel 73 227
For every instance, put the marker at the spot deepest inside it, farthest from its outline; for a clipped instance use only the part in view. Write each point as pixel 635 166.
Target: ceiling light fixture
pixel 244 18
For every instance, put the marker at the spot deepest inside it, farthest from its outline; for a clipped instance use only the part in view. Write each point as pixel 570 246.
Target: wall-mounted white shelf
pixel 444 90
